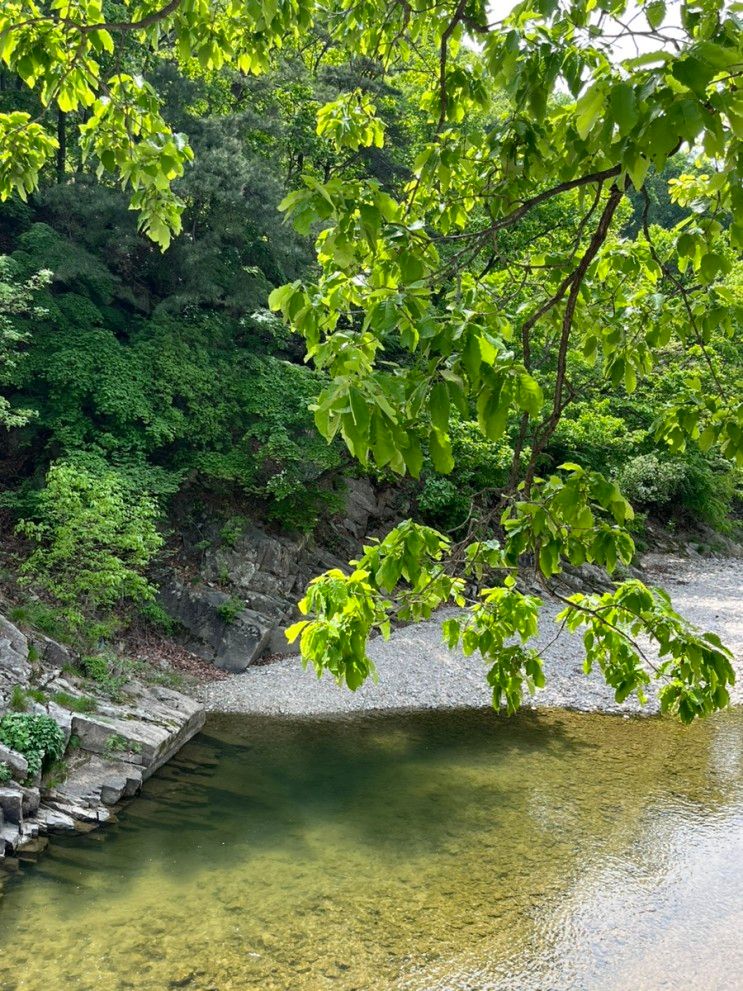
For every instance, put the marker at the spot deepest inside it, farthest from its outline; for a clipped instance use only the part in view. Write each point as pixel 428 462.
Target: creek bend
pixel 449 850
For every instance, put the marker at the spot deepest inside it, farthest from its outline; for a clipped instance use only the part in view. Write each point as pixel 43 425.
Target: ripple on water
pixel 444 851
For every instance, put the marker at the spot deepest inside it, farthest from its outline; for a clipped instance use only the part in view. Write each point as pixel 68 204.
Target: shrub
pixel 704 487
pixel 594 436
pixel 232 530
pixel 441 502
pixel 5 772
pixel 154 615
pixel 482 465
pixel 93 538
pixel 230 610
pixel 38 738
pixel 648 481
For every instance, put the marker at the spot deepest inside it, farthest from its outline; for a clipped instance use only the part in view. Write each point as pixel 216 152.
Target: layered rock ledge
pixel 109 751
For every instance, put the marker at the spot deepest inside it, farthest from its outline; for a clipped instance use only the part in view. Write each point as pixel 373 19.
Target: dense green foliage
pixel 526 293
pixel 92 542
pixel 38 738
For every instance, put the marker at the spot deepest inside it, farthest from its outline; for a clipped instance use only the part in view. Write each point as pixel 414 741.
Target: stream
pixel 433 851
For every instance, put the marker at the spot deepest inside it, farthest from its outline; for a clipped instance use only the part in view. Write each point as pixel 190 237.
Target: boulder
pixel 10 835
pixel 11 803
pixel 15 668
pixel 31 798
pixel 53 655
pixel 54 821
pixel 15 761
pixel 360 506
pixel 230 642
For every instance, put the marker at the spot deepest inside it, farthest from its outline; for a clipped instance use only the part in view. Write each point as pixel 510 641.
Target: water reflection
pixel 431 851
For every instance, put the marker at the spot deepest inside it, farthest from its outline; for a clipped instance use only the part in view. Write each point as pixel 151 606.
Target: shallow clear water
pixel 435 851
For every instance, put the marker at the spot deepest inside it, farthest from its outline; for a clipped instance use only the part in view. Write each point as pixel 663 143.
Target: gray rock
pixel 78 813
pixel 53 655
pixel 113 789
pixel 15 761
pixel 361 505
pixel 10 834
pixel 55 821
pixel 12 638
pixel 61 716
pixel 11 803
pixel 231 645
pixel 14 665
pixel 31 800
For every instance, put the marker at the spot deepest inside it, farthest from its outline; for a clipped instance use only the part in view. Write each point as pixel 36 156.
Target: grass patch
pixel 18 700
pixel 43 618
pixel 76 703
pixel 109 671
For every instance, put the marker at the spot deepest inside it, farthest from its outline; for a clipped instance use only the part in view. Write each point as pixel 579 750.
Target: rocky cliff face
pixel 235 611
pixel 109 750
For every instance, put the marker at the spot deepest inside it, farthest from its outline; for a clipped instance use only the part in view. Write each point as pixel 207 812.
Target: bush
pixel 441 503
pixel 703 487
pixel 154 615
pixel 38 738
pixel 93 538
pixel 595 437
pixel 5 772
pixel 648 481
pixel 230 610
pixel 482 465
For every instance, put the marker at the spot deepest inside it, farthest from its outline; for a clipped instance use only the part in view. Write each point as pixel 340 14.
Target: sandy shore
pixel 416 670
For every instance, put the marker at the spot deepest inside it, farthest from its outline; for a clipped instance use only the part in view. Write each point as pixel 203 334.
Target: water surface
pixel 446 851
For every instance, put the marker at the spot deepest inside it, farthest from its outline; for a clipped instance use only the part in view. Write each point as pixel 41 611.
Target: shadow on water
pixel 445 848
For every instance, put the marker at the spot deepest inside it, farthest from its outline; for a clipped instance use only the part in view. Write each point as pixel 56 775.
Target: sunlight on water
pixel 444 851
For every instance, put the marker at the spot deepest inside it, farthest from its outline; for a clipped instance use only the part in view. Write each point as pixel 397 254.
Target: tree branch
pixel 574 282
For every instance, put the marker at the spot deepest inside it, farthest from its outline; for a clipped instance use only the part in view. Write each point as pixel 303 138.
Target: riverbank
pixel 416 670
pixel 107 740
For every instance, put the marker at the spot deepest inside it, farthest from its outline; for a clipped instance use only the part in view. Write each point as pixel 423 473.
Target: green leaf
pixel 528 393
pixel 623 107
pixel 293 631
pixel 439 445
pixel 439 407
pixel 589 108
pixel 655 13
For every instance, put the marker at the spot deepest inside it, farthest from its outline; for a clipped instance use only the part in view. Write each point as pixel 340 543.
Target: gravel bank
pixel 416 671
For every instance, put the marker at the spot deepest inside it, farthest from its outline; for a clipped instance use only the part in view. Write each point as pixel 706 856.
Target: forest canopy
pixel 525 292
